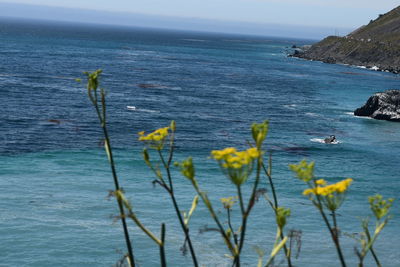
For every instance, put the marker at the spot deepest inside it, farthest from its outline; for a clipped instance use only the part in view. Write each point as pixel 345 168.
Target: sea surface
pixel 54 175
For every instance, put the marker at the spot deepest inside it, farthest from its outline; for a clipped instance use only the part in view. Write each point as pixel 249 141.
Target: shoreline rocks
pixel 335 57
pixel 382 106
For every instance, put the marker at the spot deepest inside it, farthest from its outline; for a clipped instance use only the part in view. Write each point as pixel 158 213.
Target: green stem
pixel 278 236
pixel 207 202
pixel 333 233
pixel 235 238
pixel 336 232
pixel 230 227
pixel 275 206
pixel 113 170
pixel 240 199
pixel 170 190
pixel 372 239
pixel 271 183
pixel 372 249
pixel 143 228
pixel 162 246
pixel 250 205
pixel 269 175
pixel 375 257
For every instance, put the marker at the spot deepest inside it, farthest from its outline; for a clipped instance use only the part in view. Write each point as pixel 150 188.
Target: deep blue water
pixel 54 209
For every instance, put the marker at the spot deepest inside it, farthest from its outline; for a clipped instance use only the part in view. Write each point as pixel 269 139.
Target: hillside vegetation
pixel 376 45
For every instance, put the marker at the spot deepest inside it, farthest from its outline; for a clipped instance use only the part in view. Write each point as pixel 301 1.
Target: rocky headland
pixel 375 46
pixel 382 106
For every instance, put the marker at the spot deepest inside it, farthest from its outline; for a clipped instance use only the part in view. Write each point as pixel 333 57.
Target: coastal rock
pixel 382 106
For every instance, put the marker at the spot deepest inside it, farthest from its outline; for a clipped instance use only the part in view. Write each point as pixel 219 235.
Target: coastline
pixel 372 67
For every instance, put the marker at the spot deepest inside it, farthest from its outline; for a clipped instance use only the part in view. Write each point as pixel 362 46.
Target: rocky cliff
pixel 382 106
pixel 376 45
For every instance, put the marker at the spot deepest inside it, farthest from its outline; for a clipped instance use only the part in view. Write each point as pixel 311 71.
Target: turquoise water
pixel 55 179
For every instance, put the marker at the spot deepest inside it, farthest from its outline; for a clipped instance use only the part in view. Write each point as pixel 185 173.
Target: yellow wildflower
pixel 238 165
pixel 343 185
pixel 332 195
pixel 155 139
pixel 220 154
pixel 339 187
pixel 228 202
pixel 310 191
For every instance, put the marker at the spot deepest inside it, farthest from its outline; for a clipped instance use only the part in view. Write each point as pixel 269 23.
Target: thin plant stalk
pixel 162 246
pixel 333 232
pixel 372 249
pixel 160 242
pixel 371 239
pixel 235 239
pixel 210 208
pixel 240 199
pixel 246 211
pixel 102 118
pixel 170 190
pixel 268 173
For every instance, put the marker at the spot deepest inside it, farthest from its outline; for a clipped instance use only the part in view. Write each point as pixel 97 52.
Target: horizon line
pixel 196 24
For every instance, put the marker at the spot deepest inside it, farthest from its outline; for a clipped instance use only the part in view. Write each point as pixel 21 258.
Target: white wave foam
pixel 149 110
pixel 360 117
pixel 133 108
pixel 290 106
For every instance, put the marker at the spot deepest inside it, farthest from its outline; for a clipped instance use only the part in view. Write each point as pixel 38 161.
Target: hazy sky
pixel 338 13
pixel 285 18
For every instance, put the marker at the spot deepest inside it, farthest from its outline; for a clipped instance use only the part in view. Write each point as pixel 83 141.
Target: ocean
pixel 54 176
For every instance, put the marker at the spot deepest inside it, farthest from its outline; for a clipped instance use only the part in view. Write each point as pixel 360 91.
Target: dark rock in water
pixel 382 106
pixel 297 52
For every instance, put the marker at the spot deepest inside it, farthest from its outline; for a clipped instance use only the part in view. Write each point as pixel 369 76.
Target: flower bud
pixel 173 126
pixel 281 215
pixel 146 156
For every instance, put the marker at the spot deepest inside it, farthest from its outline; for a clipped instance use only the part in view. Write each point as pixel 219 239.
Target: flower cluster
pixel 187 168
pixel 235 159
pixel 338 188
pixel 304 171
pixel 228 202
pixel 332 196
pixel 237 165
pixel 259 132
pixel 155 139
pixel 379 206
